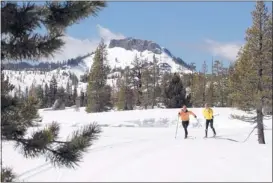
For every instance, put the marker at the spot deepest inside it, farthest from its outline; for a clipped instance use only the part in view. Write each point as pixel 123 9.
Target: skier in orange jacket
pixel 185 118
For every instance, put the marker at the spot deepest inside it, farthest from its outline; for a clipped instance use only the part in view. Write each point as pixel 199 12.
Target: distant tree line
pixel 44 66
pixel 47 94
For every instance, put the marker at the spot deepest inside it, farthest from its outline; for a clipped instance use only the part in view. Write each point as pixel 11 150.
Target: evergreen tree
pixel 47 97
pixel 251 81
pixel 82 99
pixel 32 90
pixel 75 95
pixel 61 94
pixel 175 93
pixel 68 93
pixel 147 87
pixel 204 71
pixel 74 79
pixel 26 92
pixel 197 90
pixel 125 94
pixel 53 86
pixel 220 87
pixel 20 40
pixel 20 92
pixel 99 98
pixel 137 72
pixel 40 95
pixel 68 88
pixel 155 77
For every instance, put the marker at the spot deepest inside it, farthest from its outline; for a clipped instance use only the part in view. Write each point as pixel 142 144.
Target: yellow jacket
pixel 208 113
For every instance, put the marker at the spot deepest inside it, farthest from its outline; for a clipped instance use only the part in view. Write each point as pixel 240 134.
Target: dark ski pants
pixel 185 125
pixel 209 122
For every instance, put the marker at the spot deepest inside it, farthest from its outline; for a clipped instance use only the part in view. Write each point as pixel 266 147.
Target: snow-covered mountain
pixel 120 53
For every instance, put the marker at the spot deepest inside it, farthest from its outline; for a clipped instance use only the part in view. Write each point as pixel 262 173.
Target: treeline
pixel 47 94
pixel 145 85
pixel 211 88
pixel 45 66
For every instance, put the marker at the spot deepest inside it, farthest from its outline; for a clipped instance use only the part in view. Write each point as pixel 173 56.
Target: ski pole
pixel 176 127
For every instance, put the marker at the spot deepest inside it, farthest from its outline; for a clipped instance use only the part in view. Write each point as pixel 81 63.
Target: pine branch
pixel 31 46
pixel 19 23
pixel 69 154
pixel 60 15
pixel 7 175
pixel 60 153
pixel 19 20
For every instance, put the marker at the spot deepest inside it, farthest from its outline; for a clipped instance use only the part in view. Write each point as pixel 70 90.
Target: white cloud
pixel 77 47
pixel 227 51
pixel 107 35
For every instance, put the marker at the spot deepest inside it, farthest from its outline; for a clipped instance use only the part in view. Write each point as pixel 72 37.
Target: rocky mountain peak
pixel 136 44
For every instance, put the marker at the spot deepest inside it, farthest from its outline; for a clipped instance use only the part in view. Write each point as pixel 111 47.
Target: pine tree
pixel 175 93
pixel 155 77
pixel 68 88
pixel 26 92
pixel 20 40
pixel 75 95
pixel 32 90
pixel 125 93
pixel 40 95
pixel 61 94
pixel 99 98
pixel 147 87
pixel 53 87
pixel 47 97
pixel 82 99
pixel 20 92
pixel 251 81
pixel 204 71
pixel 210 92
pixel 197 90
pixel 68 93
pixel 137 72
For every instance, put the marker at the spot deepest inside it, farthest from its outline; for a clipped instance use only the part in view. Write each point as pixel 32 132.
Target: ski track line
pixel 132 156
pixel 96 149
pixel 33 170
pixel 101 148
pixel 35 173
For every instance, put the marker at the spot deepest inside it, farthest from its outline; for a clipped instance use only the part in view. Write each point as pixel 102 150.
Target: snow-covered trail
pixel 153 154
pixel 128 154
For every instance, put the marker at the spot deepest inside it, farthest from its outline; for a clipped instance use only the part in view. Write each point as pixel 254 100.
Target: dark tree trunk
pixel 260 126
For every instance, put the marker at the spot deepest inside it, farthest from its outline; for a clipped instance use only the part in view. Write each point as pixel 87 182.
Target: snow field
pixel 131 150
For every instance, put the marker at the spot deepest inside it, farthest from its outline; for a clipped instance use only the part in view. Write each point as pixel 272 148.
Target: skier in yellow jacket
pixel 208 115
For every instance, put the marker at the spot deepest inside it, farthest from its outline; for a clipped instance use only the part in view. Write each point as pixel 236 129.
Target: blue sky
pixel 193 31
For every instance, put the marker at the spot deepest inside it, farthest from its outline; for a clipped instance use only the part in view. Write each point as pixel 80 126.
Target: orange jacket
pixel 185 115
